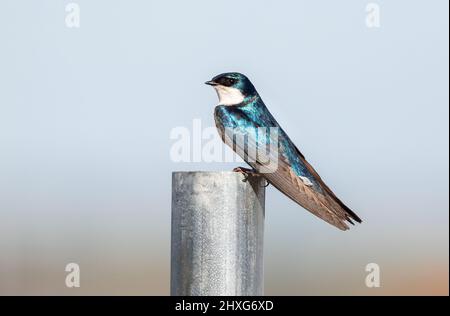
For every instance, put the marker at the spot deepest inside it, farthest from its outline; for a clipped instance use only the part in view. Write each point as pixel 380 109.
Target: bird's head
pixel 232 88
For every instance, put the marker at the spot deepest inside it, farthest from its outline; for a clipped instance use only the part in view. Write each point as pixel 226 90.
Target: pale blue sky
pixel 85 117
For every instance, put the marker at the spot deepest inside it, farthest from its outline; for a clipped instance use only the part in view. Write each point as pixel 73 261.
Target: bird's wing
pixel 349 214
pixel 307 190
pixel 321 203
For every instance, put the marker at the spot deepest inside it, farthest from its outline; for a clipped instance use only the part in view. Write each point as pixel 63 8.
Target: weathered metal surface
pixel 217 234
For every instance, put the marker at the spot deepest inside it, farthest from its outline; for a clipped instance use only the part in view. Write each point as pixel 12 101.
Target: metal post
pixel 217 234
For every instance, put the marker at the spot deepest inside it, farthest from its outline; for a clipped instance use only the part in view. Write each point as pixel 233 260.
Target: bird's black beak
pixel 211 83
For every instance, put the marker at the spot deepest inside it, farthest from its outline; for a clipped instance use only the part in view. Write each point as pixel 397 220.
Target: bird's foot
pixel 246 172
pixel 249 172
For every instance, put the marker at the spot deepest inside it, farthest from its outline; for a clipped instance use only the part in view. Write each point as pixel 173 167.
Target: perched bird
pixel 240 114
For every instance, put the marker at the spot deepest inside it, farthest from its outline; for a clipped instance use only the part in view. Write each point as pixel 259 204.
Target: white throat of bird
pixel 229 95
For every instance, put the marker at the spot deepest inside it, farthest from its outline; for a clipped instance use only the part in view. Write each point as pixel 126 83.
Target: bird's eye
pixel 227 82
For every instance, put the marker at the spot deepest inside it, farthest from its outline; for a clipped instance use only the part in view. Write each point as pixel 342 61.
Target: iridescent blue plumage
pixel 243 115
pixel 253 114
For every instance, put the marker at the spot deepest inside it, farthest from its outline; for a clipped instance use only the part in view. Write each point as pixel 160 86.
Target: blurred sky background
pixel 86 113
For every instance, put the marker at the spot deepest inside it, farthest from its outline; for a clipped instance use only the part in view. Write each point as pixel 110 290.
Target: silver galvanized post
pixel 217 234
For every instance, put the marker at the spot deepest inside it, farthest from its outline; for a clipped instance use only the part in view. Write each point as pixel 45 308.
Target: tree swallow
pixel 239 117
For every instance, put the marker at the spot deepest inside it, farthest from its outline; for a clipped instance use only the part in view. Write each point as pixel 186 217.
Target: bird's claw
pixel 249 172
pixel 245 171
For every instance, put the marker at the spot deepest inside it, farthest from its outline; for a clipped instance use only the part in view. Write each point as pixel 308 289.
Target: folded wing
pixel 293 175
